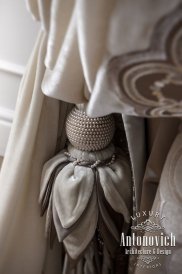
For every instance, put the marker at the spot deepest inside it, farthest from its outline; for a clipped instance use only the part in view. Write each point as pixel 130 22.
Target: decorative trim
pixel 148 82
pixel 12 68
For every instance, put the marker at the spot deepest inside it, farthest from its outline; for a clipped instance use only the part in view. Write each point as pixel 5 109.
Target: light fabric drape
pixel 31 143
pixel 68 63
pixel 168 203
pixel 165 133
pixel 1 160
pixel 83 35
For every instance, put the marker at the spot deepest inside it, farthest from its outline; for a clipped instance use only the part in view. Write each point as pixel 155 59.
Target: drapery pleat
pixel 86 34
pixel 22 242
pixel 82 37
pixel 167 203
pixel 69 63
pixel 165 133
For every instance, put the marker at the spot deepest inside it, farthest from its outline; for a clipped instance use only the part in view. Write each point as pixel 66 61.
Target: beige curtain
pixel 32 141
pixel 69 64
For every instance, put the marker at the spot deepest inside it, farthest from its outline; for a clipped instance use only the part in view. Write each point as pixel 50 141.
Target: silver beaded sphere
pixel 89 134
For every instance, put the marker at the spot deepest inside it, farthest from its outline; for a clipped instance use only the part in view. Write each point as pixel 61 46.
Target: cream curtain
pixel 68 63
pixel 84 35
pixel 32 141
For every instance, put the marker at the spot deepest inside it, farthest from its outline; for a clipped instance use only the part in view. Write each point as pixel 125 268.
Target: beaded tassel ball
pixel 89 134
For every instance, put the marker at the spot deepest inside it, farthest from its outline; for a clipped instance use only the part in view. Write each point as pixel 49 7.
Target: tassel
pixel 86 192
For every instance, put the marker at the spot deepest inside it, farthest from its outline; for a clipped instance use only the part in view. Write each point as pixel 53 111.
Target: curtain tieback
pixel 86 189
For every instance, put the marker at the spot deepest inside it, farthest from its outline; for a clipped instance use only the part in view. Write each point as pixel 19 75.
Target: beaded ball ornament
pixel 89 134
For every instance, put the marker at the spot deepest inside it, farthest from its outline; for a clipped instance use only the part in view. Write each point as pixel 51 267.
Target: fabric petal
pixel 72 191
pixel 78 240
pixel 62 232
pixel 116 182
pixel 49 226
pixel 112 220
pixel 49 171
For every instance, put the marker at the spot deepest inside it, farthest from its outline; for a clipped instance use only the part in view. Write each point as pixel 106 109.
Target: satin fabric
pixel 168 203
pixel 71 28
pixel 83 36
pixel 159 189
pixel 22 240
pixel 74 71
pixel 75 201
pixel 163 132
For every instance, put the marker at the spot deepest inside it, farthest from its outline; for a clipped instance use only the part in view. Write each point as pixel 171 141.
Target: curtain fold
pixel 165 133
pixel 70 63
pixel 167 203
pixel 32 141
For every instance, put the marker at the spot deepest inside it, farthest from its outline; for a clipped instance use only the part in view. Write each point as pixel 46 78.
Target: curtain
pixel 70 64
